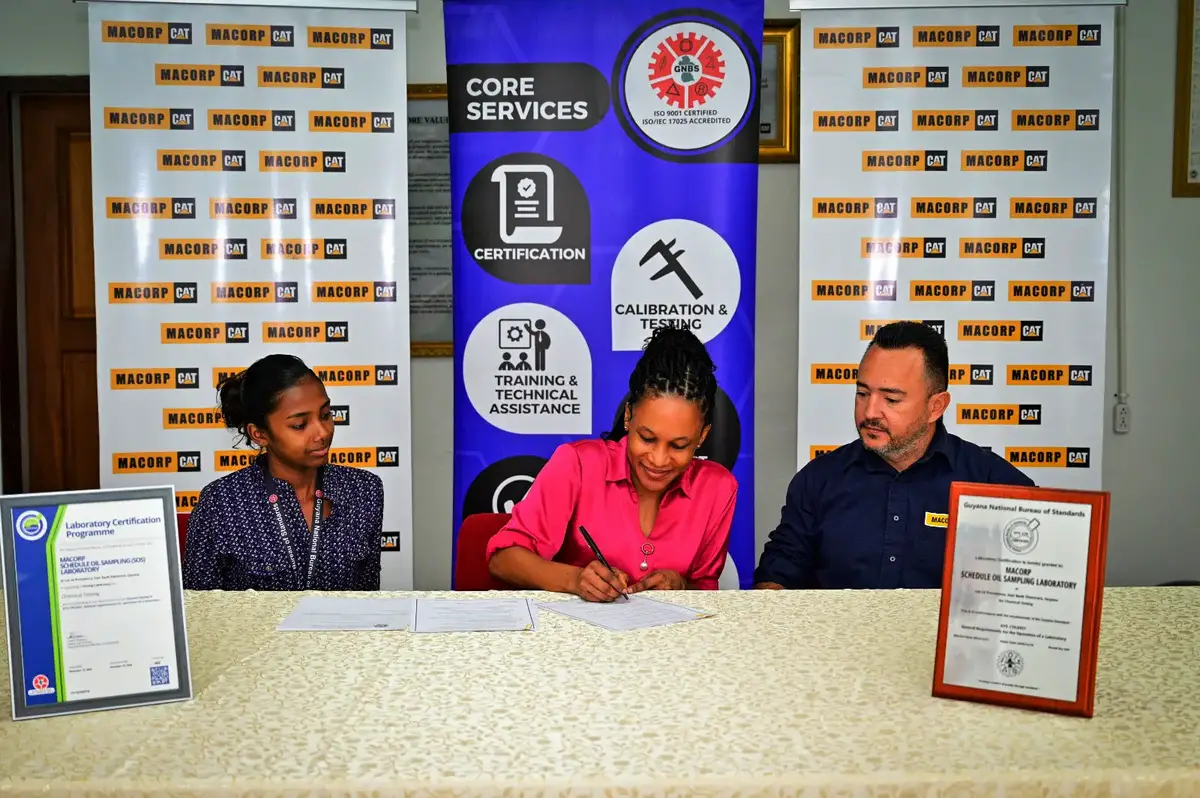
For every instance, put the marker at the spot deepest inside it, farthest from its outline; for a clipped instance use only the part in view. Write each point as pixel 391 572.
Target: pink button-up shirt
pixel 588 483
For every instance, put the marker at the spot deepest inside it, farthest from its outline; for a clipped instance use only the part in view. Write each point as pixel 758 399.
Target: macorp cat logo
pixel 1047 374
pixel 1056 35
pixel 306 332
pixel 202 249
pixel 957 120
pixel 153 379
pixel 155 462
pixel 201 160
pixel 250 35
pixel 816 451
pixel 868 327
pixel 856 121
pixel 1064 119
pixel 150 118
pixel 905 160
pixel 176 418
pixel 129 32
pixel 834 373
pixel 952 291
pixel 209 332
pixel 1052 207
pixel 295 77
pixel 352 122
pixel 999 415
pixel 258 293
pixel 1005 160
pixel 150 207
pixel 352 38
pixel 1012 331
pixel 1005 77
pixel 972 374
pixel 227 75
pixel 186 500
pixel 358 376
pixel 903 248
pixel 1051 291
pixel 855 207
pixel 304 248
pixel 1002 248
pixel 366 457
pixel 340 415
pixel 221 374
pixel 956 36
pixel 854 290
pixel 152 293
pixel 1049 456
pixel 354 292
pixel 954 207
pixel 233 459
pixel 344 209
pixel 886 37
pixel 912 77
pixel 252 208
pixel 333 161
pixel 252 119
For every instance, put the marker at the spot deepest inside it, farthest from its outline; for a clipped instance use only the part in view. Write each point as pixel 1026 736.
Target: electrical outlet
pixel 1121 417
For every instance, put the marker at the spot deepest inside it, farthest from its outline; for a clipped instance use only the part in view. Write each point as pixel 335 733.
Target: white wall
pixel 1155 527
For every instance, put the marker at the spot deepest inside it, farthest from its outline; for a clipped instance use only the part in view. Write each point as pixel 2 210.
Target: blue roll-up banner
pixel 604 176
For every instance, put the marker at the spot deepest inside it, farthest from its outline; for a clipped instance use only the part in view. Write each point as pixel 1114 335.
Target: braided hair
pixel 674 362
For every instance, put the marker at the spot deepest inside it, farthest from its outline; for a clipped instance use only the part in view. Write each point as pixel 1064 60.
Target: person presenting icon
pixel 541 342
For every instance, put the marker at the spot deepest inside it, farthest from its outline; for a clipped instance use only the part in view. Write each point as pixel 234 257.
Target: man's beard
pixel 895 445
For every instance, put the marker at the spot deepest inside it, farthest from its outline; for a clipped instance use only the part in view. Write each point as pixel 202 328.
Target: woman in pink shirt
pixel 654 510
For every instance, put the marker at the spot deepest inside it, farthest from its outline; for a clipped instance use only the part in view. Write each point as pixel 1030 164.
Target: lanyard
pixel 318 505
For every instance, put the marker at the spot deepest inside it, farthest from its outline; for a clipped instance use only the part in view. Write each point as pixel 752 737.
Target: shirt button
pixel 891 559
pixel 895 518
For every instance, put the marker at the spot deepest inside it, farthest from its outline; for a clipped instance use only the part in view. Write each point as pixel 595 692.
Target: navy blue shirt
pixel 853 521
pixel 234 541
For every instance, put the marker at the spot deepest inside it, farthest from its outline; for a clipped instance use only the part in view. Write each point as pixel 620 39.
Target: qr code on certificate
pixel 160 674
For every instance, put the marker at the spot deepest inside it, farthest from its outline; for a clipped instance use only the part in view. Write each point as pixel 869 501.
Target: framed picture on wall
pixel 431 297
pixel 779 89
pixel 1185 172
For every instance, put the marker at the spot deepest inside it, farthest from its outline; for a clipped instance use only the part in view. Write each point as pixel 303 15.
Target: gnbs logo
pixel 351 38
pixel 1049 456
pixel 155 462
pixel 855 207
pixel 1002 248
pixel 150 118
pixel 302 161
pixel 1050 375
pixel 905 160
pixel 1052 207
pixel 868 327
pixel 914 77
pixel 903 247
pixel 275 77
pixel 1064 119
pixel 358 376
pixel 1006 77
pixel 201 160
pixel 306 332
pixel 352 122
pixel 1005 161
pixel 126 32
pixel 856 121
pixel 250 35
pixel 952 291
pixel 252 208
pixel 226 75
pixel 854 290
pixel 214 332
pixel 153 379
pixel 152 293
pixel 957 120
pixel 1000 415
pixel 1032 330
pixel 1051 291
pixel 304 249
pixel 956 36
pixel 856 38
pixel 285 292
pixel 252 119
pixel 954 207
pixel 1056 35
pixel 154 208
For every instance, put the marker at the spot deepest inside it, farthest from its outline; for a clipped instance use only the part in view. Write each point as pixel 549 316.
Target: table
pixel 803 693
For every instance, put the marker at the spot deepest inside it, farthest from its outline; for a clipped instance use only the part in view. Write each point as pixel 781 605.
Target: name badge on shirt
pixel 941 520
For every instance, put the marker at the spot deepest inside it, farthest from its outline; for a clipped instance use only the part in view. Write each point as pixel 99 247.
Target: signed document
pixel 1019 585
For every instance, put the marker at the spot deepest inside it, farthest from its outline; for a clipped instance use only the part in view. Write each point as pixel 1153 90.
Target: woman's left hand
pixel 664 580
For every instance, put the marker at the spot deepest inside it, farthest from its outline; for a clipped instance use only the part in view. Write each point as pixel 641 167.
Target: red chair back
pixel 470 560
pixel 181 521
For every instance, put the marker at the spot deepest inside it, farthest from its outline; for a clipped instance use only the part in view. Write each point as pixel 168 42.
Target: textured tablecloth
pixel 800 693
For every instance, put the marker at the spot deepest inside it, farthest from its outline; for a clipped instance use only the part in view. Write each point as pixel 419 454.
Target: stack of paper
pixel 336 613
pixel 474 615
pixel 638 612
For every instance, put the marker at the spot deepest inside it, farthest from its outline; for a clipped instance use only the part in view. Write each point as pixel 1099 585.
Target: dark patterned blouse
pixel 236 537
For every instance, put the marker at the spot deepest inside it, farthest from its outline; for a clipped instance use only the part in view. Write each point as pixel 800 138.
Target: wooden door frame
pixel 11 398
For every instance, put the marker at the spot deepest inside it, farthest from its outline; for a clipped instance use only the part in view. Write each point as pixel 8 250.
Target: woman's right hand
pixel 594 582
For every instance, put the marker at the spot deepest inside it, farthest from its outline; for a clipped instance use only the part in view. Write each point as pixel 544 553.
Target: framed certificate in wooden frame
pixel 1022 593
pixel 778 131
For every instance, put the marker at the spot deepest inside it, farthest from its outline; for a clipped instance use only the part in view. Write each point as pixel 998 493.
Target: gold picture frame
pixel 1185 178
pixel 779 93
pixel 425 93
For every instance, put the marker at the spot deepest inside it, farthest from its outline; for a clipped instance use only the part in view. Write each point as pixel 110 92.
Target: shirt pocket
pixel 266 570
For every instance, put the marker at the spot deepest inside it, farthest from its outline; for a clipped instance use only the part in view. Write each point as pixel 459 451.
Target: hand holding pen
pixel 599 581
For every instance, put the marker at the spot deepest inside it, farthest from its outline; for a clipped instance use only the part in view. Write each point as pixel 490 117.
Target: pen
pixel 596 550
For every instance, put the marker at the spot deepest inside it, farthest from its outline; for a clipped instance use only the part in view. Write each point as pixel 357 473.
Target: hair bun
pixel 679 339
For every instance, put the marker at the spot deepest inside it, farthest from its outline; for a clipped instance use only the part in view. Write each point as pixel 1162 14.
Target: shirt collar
pixel 618 467
pixel 327 481
pixel 942 444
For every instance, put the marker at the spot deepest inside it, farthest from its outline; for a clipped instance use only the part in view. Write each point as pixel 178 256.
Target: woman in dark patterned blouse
pixel 290 520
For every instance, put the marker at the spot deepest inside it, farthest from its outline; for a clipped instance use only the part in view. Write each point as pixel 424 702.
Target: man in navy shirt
pixel 872 513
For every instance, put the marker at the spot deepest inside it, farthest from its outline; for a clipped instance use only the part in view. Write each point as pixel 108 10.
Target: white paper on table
pixel 341 613
pixel 639 612
pixel 474 615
